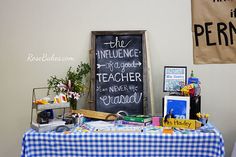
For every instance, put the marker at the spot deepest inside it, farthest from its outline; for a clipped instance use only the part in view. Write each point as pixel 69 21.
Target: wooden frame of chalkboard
pixel 119 79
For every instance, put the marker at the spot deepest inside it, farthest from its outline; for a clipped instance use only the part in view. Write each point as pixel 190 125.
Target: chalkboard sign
pixel 119 69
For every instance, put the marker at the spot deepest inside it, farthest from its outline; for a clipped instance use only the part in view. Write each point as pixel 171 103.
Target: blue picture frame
pixel 179 106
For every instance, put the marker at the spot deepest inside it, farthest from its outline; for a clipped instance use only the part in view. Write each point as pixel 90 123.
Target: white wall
pixel 63 28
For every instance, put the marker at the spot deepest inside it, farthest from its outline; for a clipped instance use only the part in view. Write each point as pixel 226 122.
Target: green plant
pixel 73 84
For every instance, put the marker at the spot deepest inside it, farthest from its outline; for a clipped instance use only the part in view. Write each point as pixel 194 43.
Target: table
pixel 82 144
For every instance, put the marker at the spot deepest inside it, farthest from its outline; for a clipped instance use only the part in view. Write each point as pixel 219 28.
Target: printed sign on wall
pixel 214 31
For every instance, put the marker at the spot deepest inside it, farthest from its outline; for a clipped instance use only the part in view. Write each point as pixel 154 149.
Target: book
pixel 138 118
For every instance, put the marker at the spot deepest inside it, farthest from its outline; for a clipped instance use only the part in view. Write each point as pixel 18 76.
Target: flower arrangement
pixel 72 85
pixel 202 115
pixel 203 118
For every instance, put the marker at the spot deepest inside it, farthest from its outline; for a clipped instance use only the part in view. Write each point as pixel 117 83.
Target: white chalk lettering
pixel 133 88
pixel 118 53
pixel 117 43
pixel 110 66
pixel 121 88
pixel 122 99
pixel 119 66
pixel 129 65
pixel 119 77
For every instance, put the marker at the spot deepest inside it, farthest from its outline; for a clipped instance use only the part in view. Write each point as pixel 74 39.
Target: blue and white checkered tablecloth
pixel 79 144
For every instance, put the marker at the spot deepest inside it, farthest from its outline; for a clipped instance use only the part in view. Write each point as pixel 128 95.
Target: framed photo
pixel 174 78
pixel 178 106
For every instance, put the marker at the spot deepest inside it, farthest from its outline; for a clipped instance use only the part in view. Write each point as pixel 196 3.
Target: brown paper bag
pixel 214 31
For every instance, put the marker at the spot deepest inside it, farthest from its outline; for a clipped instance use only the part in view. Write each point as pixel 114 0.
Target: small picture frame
pixel 178 106
pixel 174 78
